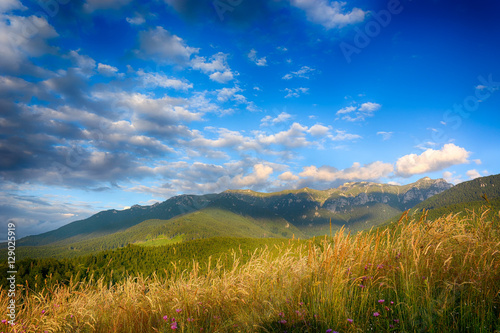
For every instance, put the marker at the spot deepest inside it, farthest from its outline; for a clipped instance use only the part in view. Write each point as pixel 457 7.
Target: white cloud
pixel 472 174
pixel 222 77
pixel 478 162
pixel 329 14
pixel 22 37
pixel 217 67
pixel 107 70
pixel 385 135
pixel 165 47
pixel 431 160
pixel 252 55
pixel 288 176
pixel 360 113
pixel 343 135
pixel 370 171
pixel 8 5
pixel 138 19
pixel 451 178
pixel 216 63
pixel 85 65
pixel 318 130
pixel 260 175
pixel 292 138
pixel 152 80
pixel 347 109
pixel 303 72
pixel 369 107
pixel 281 118
pixel 225 94
pixel 295 92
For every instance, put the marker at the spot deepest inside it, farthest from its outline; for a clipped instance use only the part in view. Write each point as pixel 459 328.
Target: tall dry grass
pixel 418 276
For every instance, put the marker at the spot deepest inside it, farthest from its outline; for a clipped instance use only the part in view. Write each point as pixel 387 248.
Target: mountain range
pixel 239 213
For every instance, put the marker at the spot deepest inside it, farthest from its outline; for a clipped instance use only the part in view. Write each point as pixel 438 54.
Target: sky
pixel 109 103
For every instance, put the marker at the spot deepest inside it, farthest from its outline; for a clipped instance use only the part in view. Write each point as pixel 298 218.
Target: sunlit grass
pixel 419 276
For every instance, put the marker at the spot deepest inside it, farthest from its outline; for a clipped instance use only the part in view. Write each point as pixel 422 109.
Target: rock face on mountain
pixel 357 203
pixel 308 206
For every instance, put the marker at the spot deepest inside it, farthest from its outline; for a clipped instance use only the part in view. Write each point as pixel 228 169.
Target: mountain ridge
pixel 355 204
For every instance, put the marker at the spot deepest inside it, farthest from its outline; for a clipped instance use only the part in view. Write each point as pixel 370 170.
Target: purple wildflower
pixel 165 318
pixel 381 301
pixel 283 321
pixel 350 320
pixel 376 314
pixel 178 310
pixel 174 325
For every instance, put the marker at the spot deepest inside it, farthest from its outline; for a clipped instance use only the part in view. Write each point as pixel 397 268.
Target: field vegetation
pixel 416 275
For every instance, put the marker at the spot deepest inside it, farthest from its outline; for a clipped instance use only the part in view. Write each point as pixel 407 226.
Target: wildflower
pixel 350 320
pixel 301 303
pixel 392 303
pixel 329 330
pixel 174 325
pixel 281 314
pixel 361 286
pixel 4 321
pixel 391 326
pixel 178 310
pixel 381 301
pixel 190 319
pixel 283 321
pixel 173 319
pixel 376 314
pixel 387 308
pixel 396 321
pixel 43 311
pixel 380 266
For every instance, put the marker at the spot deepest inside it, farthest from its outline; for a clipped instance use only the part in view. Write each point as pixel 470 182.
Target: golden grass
pixel 418 276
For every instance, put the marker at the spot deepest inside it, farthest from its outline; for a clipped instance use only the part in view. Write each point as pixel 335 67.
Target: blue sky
pixel 106 104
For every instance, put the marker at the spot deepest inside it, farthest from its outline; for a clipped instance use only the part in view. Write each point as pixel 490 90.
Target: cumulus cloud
pixel 165 47
pixel 108 70
pixel 281 118
pixel 431 160
pixel 152 80
pixel 288 176
pixel 216 67
pixel 252 55
pixel 473 174
pixel 318 130
pixel 260 175
pixel 343 135
pixel 294 137
pixel 9 5
pixel 329 14
pixel 23 37
pixel 370 171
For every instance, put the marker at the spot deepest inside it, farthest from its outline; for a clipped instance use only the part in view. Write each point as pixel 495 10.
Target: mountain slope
pixel 469 191
pixel 357 205
pixel 467 195
pixel 206 223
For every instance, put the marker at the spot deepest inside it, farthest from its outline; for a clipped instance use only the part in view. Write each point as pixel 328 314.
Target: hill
pixel 243 213
pixel 206 223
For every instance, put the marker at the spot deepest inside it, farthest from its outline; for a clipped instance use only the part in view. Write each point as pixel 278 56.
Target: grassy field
pixel 418 276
